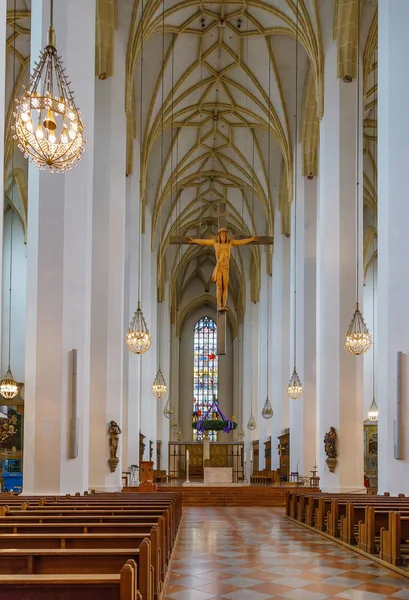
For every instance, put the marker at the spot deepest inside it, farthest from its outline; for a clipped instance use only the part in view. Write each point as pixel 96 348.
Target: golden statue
pixel 222 248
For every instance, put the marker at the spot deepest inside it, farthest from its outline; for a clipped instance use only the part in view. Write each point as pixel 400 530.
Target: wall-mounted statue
pixel 114 432
pixel 330 443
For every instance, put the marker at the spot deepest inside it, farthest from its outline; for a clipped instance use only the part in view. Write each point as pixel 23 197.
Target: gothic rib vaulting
pixel 256 116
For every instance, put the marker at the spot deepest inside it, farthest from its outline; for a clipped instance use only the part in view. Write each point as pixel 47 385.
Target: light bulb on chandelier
pixel 294 388
pixel 48 124
pixel 138 339
pixel 159 387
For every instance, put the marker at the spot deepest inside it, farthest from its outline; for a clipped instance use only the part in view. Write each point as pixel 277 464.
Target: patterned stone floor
pixel 256 554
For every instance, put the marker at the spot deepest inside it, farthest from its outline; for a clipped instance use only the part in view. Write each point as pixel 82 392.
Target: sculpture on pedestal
pixel 114 432
pixel 330 442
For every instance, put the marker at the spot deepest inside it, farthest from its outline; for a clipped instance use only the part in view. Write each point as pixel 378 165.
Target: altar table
pixel 218 474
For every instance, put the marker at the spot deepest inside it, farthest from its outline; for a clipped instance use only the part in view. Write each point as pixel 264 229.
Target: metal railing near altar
pixel 222 454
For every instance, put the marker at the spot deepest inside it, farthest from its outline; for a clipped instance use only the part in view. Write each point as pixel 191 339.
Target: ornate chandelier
pixel 8 386
pixel 159 387
pixel 294 388
pixel 251 424
pixel 48 124
pixel 373 411
pixel 138 339
pixel 168 411
pixel 358 339
pixel 267 411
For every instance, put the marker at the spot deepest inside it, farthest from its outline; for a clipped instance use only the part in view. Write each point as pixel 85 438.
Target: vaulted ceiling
pixel 212 112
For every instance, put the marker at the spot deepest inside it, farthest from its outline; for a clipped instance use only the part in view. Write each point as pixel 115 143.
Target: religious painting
pixel 205 371
pixel 11 432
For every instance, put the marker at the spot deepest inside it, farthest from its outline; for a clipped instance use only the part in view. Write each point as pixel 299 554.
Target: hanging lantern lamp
pixel 373 412
pixel 159 387
pixel 294 388
pixel 48 125
pixel 267 411
pixel 358 339
pixel 138 339
pixel 8 386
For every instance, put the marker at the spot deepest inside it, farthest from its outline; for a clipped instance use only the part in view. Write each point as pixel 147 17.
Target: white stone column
pixel 303 410
pixel 132 362
pixel 108 262
pixel 339 375
pixel 59 275
pixel 280 338
pixel 162 421
pixel 393 280
pixel 262 360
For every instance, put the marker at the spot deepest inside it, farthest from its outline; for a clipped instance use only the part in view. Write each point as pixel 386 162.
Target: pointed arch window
pixel 205 370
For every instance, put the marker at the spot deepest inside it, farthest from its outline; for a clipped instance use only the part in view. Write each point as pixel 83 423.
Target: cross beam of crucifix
pixel 222 246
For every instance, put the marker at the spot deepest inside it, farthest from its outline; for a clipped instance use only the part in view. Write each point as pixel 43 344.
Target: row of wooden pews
pixel 93 547
pixel 377 525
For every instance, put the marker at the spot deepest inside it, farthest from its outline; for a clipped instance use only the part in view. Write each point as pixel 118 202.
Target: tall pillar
pixel 262 359
pixel 303 410
pixel 108 260
pixel 280 338
pixel 393 276
pixel 132 362
pixel 339 375
pixel 59 249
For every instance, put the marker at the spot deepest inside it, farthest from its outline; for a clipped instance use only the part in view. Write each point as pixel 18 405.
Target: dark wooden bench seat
pixel 87 561
pixel 122 586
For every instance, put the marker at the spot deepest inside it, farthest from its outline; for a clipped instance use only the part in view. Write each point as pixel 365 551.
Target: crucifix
pixel 222 247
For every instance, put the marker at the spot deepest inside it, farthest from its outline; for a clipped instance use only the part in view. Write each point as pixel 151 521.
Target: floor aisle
pixel 256 554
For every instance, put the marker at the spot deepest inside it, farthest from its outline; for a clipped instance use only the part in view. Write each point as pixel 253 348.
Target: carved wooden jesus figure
pixel 222 247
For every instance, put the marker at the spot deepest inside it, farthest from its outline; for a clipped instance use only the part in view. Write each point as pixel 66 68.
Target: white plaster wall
pixel 186 373
pixel 18 299
pixel 371 318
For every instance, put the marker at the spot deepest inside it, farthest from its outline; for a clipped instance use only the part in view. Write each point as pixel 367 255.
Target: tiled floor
pixel 256 554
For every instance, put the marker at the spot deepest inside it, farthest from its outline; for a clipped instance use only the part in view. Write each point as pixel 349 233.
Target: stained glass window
pixel 205 371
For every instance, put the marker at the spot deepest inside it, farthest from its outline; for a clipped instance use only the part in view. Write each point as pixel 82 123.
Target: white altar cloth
pixel 218 474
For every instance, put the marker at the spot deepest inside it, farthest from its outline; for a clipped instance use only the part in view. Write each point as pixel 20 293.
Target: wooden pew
pixel 122 586
pixel 80 562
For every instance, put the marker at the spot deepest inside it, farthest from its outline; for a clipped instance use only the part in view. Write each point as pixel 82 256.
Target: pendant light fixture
pixel 358 339
pixel 48 123
pixel 251 423
pixel 138 339
pixel 294 388
pixel 267 411
pixel 373 412
pixel 8 386
pixel 168 411
pixel 159 387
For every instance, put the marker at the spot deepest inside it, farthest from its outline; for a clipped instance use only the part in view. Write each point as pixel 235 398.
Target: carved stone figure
pixel 222 248
pixel 330 439
pixel 114 432
pixel 330 442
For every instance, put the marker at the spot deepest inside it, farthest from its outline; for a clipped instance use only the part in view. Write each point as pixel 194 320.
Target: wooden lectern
pixel 146 477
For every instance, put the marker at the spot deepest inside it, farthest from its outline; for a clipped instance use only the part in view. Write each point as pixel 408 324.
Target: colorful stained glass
pixel 205 370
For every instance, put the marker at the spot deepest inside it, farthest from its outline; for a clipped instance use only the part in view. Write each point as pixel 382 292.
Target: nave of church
pixel 203 292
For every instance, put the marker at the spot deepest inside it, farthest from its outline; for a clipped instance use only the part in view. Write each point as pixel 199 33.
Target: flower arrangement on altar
pixel 213 420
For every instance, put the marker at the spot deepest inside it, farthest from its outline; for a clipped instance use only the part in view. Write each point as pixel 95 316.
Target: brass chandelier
pixel 8 386
pixel 159 387
pixel 294 388
pixel 48 124
pixel 373 412
pixel 358 339
pixel 267 411
pixel 168 411
pixel 138 339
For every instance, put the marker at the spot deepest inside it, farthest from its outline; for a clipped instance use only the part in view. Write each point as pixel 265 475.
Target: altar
pixel 218 475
